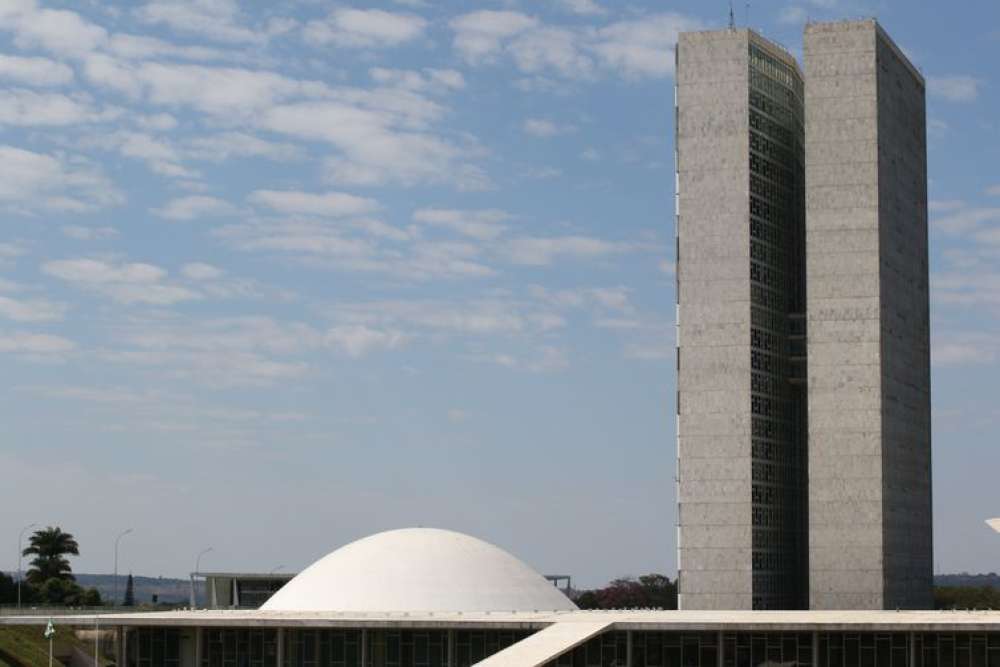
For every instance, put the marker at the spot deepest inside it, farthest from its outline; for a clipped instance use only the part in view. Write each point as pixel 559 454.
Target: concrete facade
pixel 713 328
pixel 738 495
pixel 868 324
pixel 803 374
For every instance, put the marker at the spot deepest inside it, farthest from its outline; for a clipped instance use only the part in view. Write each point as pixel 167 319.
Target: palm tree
pixel 50 547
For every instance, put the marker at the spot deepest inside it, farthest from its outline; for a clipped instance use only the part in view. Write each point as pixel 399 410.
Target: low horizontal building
pixel 435 598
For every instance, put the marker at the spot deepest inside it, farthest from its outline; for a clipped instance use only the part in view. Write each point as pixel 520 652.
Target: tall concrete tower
pixel 868 333
pixel 803 467
pixel 741 304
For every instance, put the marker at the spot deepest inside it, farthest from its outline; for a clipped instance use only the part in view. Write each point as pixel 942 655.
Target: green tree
pixel 50 547
pixel 966 597
pixel 129 600
pixel 69 593
pixel 654 591
pixel 8 589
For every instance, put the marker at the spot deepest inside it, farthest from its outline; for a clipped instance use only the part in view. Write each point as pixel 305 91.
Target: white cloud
pixel 81 233
pixel 480 36
pixel 21 107
pixel 381 139
pixel 159 121
pixel 31 310
pixel 583 7
pixel 327 204
pixel 664 350
pixel 964 349
pixel 359 340
pixel 541 127
pixel 482 224
pixel 546 359
pixel 966 220
pixel 129 283
pixel 643 47
pixel 34 181
pixel 954 88
pixel 214 19
pixel 220 352
pixel 364 28
pixel 226 145
pixel 201 271
pixel 159 155
pixel 34 344
pixel 56 30
pixel 539 251
pixel 426 80
pixel 35 71
pixel 939 205
pixel 792 15
pixel 195 206
pixel 635 48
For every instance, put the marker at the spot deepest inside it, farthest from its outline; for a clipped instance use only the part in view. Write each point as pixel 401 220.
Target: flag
pixel 50 630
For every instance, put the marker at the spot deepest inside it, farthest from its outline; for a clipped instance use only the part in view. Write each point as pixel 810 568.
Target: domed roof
pixel 419 569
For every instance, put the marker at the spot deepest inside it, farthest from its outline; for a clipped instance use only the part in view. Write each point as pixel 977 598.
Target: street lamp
pixel 118 539
pixel 197 569
pixel 19 554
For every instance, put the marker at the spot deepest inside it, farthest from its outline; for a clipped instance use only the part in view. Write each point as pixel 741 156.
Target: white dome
pixel 419 569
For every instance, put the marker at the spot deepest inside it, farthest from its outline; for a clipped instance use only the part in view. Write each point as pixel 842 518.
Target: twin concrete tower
pixel 803 352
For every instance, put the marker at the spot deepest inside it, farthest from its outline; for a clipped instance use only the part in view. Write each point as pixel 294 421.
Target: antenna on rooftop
pixel 746 13
pixel 732 19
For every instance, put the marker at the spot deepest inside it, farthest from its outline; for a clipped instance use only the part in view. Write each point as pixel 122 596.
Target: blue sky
pixel 275 276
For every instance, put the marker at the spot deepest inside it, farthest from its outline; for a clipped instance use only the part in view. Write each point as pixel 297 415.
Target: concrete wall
pixel 713 378
pixel 866 235
pixel 905 331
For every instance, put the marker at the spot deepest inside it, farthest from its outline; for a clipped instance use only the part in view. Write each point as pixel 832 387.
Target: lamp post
pixel 117 540
pixel 197 569
pixel 19 554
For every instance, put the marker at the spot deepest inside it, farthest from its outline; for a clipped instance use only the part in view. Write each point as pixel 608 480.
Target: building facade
pixel 741 304
pixel 802 337
pixel 870 528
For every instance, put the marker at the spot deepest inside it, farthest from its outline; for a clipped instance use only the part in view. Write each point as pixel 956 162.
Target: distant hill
pixel 991 580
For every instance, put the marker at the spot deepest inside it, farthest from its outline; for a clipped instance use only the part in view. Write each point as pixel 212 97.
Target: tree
pixel 8 589
pixel 648 591
pixel 57 591
pixel 966 597
pixel 129 600
pixel 50 547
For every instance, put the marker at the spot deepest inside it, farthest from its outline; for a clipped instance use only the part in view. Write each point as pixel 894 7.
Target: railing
pixel 31 610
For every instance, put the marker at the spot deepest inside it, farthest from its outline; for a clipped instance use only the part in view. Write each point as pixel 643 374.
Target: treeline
pixel 656 591
pixel 49 579
pixel 650 591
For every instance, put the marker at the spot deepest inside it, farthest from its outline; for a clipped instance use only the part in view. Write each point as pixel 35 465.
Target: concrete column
pixel 451 648
pixel 720 657
pixel 198 634
pixel 628 648
pixel 815 649
pixel 913 649
pixel 281 647
pixel 364 647
pixel 123 646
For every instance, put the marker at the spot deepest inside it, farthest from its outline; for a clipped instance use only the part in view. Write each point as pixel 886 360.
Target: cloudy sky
pixel 274 276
